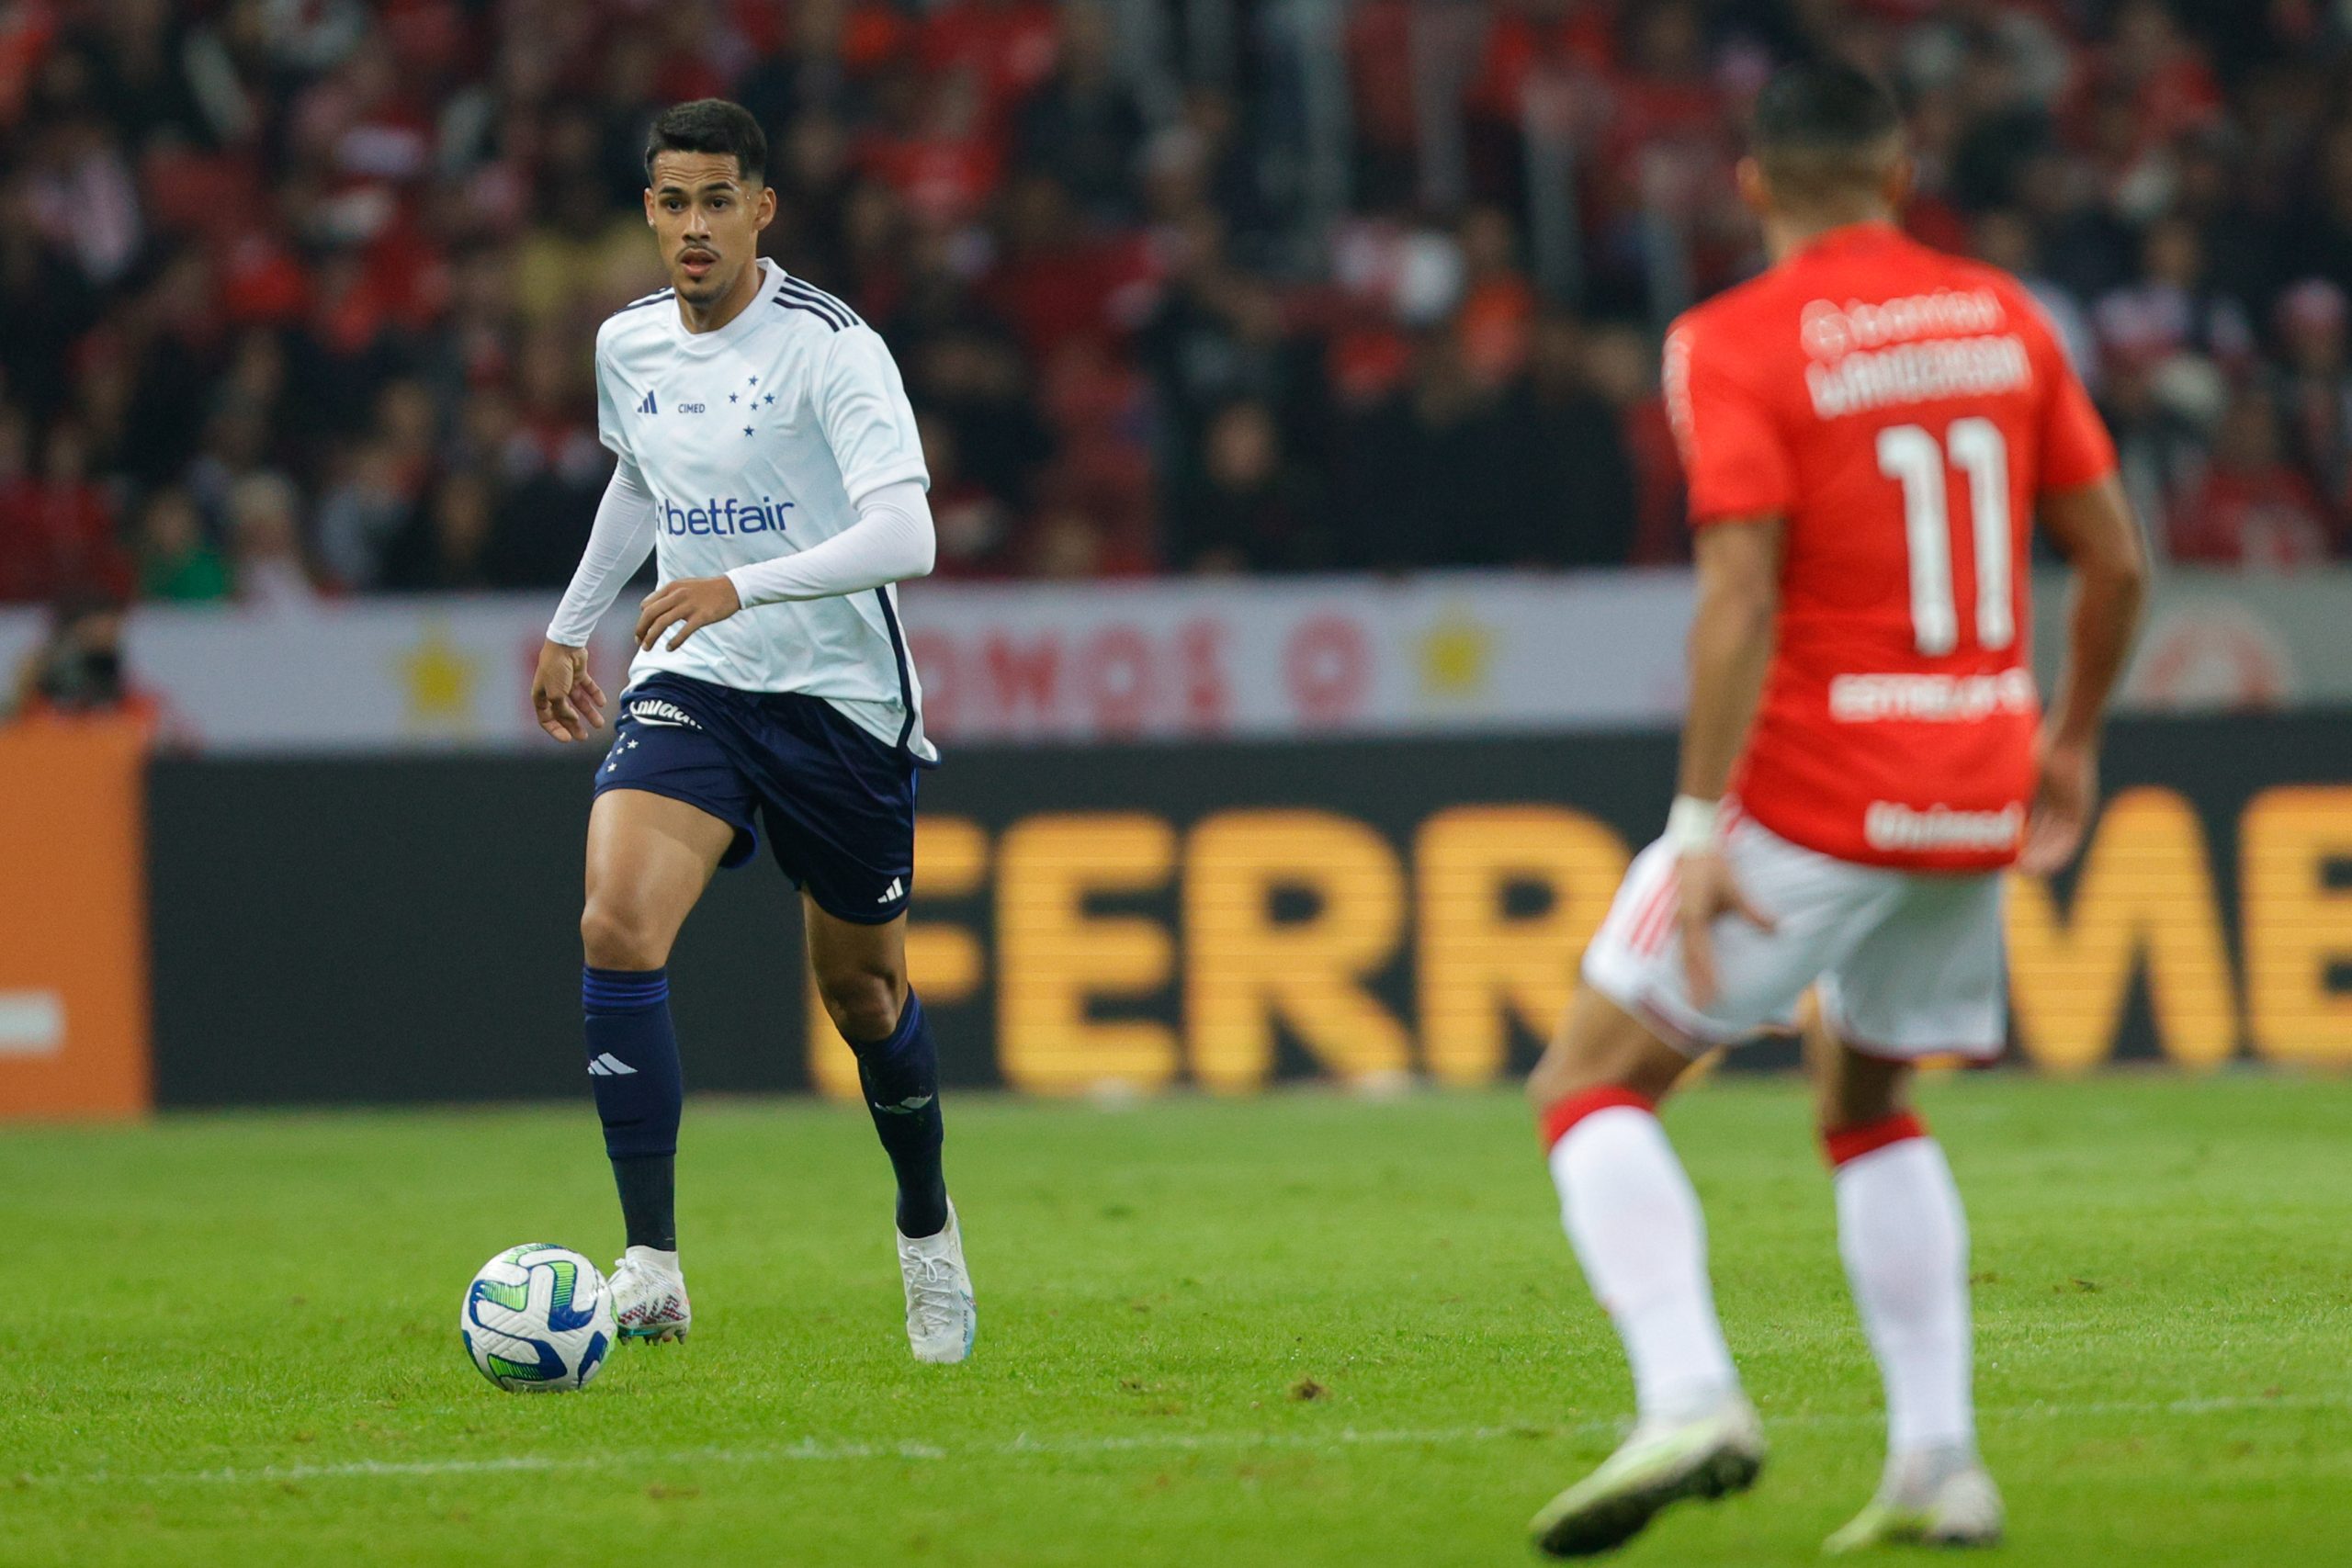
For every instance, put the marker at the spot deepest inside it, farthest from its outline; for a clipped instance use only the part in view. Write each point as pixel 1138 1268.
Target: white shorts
pixel 1908 964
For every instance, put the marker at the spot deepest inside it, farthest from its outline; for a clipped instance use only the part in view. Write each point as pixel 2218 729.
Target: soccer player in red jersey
pixel 1870 429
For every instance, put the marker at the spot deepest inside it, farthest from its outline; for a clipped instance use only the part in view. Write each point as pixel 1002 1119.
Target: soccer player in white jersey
pixel 768 459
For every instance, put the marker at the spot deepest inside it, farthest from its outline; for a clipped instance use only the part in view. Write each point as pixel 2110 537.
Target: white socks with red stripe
pixel 1904 1239
pixel 1636 1226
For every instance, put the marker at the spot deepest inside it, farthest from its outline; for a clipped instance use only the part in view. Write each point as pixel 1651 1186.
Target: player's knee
pixel 863 1004
pixel 1598 1045
pixel 613 936
pixel 1858 1090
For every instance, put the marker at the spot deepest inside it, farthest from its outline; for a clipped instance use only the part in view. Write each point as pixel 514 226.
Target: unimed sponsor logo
pixel 1890 825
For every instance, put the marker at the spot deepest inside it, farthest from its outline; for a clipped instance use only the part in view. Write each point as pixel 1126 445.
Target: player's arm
pixel 1742 484
pixel 861 405
pixel 891 541
pixel 569 703
pixel 1730 648
pixel 2091 526
pixel 2081 506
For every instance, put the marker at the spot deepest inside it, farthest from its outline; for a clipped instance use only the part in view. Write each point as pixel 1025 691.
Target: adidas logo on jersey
pixel 648 406
pixel 610 1067
pixel 898 889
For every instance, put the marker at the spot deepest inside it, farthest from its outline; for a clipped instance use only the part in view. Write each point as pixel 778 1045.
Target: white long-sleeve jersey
pixel 779 451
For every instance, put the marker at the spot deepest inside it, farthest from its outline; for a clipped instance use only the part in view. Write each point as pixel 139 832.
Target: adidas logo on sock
pixel 911 1105
pixel 610 1067
pixel 898 889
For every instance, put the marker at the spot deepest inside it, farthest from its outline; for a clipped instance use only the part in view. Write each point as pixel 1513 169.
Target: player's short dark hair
pixel 713 126
pixel 1825 127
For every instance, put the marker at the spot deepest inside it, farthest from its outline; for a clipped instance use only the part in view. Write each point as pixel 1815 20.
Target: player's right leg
pixel 1634 1223
pixel 650 857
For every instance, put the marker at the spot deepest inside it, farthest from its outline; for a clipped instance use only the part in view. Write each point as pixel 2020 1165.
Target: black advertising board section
pixel 379 930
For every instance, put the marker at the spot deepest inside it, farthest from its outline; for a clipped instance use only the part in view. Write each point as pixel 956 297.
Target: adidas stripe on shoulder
pixel 791 294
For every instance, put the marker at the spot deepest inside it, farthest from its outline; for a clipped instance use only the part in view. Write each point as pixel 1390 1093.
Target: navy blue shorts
pixel 838 804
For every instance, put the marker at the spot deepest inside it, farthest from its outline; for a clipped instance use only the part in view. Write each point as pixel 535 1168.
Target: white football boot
pixel 1715 1455
pixel 649 1296
pixel 941 1319
pixel 1938 1499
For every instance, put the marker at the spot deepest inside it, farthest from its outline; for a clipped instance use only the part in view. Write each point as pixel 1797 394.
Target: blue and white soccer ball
pixel 537 1319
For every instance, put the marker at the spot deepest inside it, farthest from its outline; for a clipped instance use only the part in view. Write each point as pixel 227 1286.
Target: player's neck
pixel 736 299
pixel 1786 233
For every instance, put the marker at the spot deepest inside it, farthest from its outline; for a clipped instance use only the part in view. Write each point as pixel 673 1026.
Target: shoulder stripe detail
pixel 648 299
pixel 796 305
pixel 788 294
pixel 817 295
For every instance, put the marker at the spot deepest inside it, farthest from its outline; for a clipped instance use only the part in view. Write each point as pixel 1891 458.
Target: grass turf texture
pixel 1300 1329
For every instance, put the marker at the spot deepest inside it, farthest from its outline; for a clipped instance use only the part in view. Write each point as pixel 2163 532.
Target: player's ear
pixel 648 206
pixel 765 206
pixel 1754 190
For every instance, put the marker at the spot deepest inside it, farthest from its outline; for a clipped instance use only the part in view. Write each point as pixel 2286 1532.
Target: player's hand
pixel 2063 799
pixel 690 603
pixel 570 703
pixel 1708 891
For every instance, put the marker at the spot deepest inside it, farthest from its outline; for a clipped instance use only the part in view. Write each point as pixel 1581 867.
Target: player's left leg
pixel 861 972
pixel 1629 1208
pixel 1927 980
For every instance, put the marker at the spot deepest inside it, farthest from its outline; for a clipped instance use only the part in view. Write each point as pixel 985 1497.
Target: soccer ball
pixel 537 1319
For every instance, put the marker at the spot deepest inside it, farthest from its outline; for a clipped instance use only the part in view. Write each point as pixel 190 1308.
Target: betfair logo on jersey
pixel 723 519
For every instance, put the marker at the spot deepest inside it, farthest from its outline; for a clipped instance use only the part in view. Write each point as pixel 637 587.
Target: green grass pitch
pixel 1300 1329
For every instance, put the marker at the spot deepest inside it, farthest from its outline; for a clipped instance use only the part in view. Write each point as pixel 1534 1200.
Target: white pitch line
pixel 816 1451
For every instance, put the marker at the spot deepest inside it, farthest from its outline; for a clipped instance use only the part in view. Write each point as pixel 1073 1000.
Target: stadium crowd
pixel 296 296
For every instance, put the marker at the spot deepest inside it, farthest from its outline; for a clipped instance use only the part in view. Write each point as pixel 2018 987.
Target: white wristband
pixel 1691 824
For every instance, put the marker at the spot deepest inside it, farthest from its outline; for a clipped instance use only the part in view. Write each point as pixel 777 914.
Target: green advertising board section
pixel 1219 915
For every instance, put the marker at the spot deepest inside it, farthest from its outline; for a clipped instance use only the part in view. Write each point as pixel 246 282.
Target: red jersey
pixel 1900 409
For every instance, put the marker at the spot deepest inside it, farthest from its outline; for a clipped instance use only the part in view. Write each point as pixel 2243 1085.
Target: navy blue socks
pixel 633 1064
pixel 900 1077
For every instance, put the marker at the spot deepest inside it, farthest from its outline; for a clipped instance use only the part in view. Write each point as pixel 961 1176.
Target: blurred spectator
pixel 77 669
pixel 2252 508
pixel 1622 365
pixel 176 561
pixel 57 530
pixel 1254 510
pixel 1584 476
pixel 265 545
pixel 453 545
pixel 361 515
pixel 2315 392
pixel 1083 126
pixel 2160 449
pixel 1065 546
pixel 2173 308
pixel 974 526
